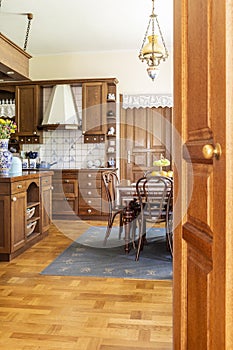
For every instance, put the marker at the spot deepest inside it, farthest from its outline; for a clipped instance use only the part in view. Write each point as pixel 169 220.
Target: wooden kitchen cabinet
pixel 27 110
pixel 90 193
pixel 65 194
pixel 94 95
pixel 19 197
pixel 79 193
pixel 27 101
pixel 18 210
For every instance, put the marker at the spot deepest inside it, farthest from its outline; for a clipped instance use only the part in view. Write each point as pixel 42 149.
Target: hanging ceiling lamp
pixel 155 50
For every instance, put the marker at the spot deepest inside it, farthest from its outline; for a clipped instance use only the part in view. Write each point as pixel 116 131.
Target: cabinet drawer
pixel 85 176
pixel 67 186
pixel 90 202
pixel 17 187
pixel 91 139
pixel 92 183
pixel 89 211
pixel 90 192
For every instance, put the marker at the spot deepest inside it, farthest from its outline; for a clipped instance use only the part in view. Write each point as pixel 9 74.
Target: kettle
pixel 16 166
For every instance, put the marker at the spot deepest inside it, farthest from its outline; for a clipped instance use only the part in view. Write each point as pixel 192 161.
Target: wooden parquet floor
pixel 40 312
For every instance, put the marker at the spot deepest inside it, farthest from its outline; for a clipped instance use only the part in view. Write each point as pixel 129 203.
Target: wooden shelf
pixel 32 204
pixel 32 219
pixel 32 235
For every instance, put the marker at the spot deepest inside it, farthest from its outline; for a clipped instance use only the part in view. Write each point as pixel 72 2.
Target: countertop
pixel 25 176
pixel 67 169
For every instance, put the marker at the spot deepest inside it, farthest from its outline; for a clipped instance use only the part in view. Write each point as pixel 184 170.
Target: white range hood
pixel 61 108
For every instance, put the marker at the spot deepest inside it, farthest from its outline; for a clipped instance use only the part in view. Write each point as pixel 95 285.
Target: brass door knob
pixel 209 151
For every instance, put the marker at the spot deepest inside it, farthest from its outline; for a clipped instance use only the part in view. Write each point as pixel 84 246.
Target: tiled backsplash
pixel 67 148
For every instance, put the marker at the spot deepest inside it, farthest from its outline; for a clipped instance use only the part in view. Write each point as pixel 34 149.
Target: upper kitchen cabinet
pixel 26 99
pixel 93 101
pixel 27 109
pixel 94 97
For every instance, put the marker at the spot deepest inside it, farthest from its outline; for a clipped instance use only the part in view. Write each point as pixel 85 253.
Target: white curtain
pixel 147 100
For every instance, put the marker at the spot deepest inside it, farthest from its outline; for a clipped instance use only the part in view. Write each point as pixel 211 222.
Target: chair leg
pixel 142 238
pixel 169 234
pixel 134 227
pixel 110 224
pixel 140 245
pixel 108 231
pixel 169 240
pixel 121 225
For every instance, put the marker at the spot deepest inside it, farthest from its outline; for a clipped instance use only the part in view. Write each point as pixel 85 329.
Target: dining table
pixel 127 196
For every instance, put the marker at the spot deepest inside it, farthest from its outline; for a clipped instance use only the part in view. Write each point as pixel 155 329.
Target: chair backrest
pixel 155 197
pixel 110 180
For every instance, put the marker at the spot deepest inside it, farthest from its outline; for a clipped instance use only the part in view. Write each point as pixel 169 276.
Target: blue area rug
pixel 88 257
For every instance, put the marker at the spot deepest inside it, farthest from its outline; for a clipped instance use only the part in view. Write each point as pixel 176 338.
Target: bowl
pixel 30 212
pixel 31 227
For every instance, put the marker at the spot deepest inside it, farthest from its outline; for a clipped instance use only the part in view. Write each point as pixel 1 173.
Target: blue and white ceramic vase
pixel 5 157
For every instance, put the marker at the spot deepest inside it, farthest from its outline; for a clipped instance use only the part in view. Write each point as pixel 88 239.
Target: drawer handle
pixel 67 181
pixel 14 199
pixel 89 202
pixel 52 188
pixel 89 193
pixel 89 210
pixel 89 183
pixel 19 186
pixel 89 175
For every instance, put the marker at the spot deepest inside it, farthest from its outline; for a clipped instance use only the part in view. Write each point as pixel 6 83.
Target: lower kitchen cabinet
pixel 25 210
pixel 79 193
pixel 65 194
pixel 90 193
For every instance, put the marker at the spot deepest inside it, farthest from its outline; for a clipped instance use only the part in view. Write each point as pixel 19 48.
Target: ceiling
pixel 72 26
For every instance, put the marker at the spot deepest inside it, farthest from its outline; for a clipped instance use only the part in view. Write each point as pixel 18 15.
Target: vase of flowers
pixel 7 127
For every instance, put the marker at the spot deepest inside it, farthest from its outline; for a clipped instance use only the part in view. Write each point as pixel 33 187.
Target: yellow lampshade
pixel 147 50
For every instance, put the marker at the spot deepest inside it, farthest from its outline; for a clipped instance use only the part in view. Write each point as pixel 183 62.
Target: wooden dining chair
pixel 127 212
pixel 155 195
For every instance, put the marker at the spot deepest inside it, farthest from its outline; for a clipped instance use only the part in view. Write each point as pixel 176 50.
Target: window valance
pixel 147 100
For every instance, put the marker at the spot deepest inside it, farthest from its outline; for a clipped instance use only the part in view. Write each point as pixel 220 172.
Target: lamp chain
pixel 30 17
pixel 144 39
pixel 161 35
pixel 153 31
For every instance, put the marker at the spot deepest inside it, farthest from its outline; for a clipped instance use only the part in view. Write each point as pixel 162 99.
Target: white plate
pixel 97 163
pixel 89 164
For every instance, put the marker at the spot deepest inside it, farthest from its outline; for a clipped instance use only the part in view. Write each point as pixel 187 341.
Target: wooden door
pixel 145 134
pixel 203 259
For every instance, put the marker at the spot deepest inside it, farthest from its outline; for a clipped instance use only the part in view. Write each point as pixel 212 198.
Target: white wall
pixel 123 65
